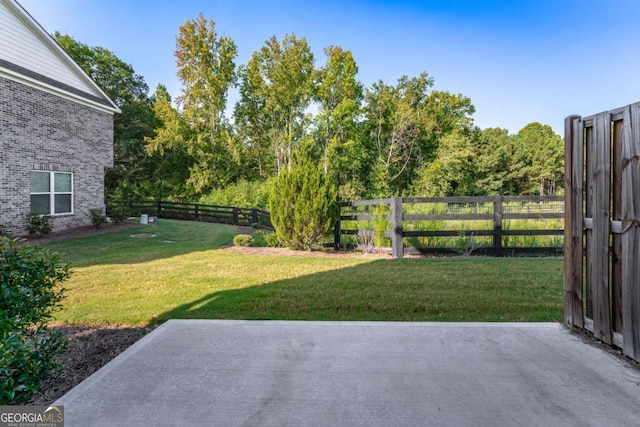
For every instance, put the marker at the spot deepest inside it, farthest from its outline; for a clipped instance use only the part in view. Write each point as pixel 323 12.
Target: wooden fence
pixel 408 220
pixel 248 217
pixel 602 234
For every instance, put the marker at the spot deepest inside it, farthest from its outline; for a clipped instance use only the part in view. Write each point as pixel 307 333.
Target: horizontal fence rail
pixel 496 226
pixel 247 217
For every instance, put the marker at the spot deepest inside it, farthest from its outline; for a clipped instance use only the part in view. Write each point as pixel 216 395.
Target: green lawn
pixel 180 272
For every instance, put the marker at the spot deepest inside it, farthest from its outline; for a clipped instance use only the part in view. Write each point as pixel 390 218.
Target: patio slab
pixel 288 373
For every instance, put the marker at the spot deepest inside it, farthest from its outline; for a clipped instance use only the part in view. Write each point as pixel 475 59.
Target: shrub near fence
pixel 487 225
pixel 248 217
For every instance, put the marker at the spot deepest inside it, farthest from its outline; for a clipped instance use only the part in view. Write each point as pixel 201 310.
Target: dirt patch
pixel 90 348
pixel 142 235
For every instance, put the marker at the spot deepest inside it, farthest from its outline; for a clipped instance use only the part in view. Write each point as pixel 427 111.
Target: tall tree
pixel 137 121
pixel 278 85
pixel 452 172
pixel 339 98
pixel 252 124
pixel 207 71
pixel 168 148
pixel 495 152
pixel 404 125
pixel 545 149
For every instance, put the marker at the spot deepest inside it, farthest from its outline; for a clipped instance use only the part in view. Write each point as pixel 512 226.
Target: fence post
pixel 196 211
pixel 397 249
pixel 235 216
pixel 158 208
pixel 497 226
pixel 254 216
pixel 336 231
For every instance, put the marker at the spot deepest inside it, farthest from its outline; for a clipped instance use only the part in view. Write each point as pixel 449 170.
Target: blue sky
pixel 518 61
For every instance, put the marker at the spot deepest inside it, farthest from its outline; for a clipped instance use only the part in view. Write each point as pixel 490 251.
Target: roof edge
pixel 39 85
pixel 58 50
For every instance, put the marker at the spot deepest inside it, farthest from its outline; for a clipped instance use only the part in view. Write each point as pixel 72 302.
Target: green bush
pixel 244 240
pixel 38 225
pixel 266 239
pixel 118 214
pixel 97 217
pixel 243 194
pixel 303 205
pixel 30 285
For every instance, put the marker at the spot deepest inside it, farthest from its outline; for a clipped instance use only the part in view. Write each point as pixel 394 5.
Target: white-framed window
pixel 51 192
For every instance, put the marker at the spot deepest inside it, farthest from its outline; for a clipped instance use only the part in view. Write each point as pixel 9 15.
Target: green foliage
pixel 303 205
pixel 404 124
pixel 243 194
pixel 30 285
pixel 545 151
pixel 266 238
pixel 244 240
pixel 38 225
pixel 118 214
pixel 381 225
pixel 389 139
pixel 97 217
pixel 207 71
pixel 339 97
pixel 276 87
pixel 4 231
pixel 133 168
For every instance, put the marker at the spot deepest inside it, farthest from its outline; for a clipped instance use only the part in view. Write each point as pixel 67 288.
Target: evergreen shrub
pixel 303 205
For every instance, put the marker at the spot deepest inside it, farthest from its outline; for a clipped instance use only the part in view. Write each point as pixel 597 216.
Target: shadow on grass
pixel 391 290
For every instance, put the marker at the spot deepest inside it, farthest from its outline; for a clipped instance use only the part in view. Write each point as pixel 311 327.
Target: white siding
pixel 20 45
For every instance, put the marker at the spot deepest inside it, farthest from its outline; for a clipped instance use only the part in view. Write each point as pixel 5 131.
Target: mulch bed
pixel 89 349
pixel 87 230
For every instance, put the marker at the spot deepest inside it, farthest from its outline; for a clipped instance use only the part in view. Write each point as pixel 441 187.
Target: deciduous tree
pixel 207 71
pixel 136 121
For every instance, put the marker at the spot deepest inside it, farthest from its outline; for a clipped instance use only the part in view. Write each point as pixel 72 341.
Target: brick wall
pixel 41 131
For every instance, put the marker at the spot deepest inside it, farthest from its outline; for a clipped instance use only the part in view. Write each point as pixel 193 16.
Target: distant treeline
pixel 389 139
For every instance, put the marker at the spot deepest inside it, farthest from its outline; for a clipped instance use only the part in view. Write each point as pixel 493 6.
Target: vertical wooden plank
pixel 588 236
pixel 631 235
pixel 397 249
pixel 235 216
pixel 573 170
pixel 600 169
pixel 497 226
pixel 616 256
pixel 336 230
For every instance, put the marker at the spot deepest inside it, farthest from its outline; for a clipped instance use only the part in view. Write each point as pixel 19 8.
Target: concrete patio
pixel 286 373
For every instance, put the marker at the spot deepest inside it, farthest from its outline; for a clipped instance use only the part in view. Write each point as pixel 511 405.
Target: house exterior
pixel 56 128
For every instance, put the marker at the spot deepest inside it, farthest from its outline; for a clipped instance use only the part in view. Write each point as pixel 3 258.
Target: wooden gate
pixel 602 220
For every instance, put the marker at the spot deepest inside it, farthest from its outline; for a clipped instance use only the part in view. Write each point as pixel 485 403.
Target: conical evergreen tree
pixel 303 205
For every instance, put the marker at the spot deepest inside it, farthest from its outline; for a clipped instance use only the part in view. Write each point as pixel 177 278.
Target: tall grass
pixel 463 241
